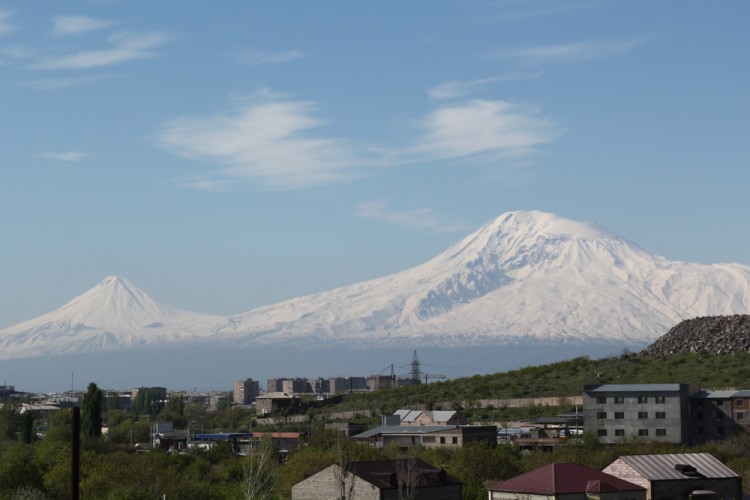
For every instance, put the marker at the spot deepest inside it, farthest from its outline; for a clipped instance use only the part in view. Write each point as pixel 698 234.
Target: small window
pixel 455 439
pixel 660 414
pixel 619 432
pixel 660 399
pixel 741 415
pixel 600 400
pixel 720 415
pixel 619 400
pixel 661 432
pixel 642 399
pixel 720 403
pixel 738 402
pixel 601 432
pixel 642 414
pixel 643 432
pixel 442 439
pixel 601 415
pixel 619 415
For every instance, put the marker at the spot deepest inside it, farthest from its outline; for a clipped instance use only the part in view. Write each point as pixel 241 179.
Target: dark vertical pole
pixel 75 453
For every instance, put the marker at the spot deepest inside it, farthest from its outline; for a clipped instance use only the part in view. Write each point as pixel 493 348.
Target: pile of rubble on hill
pixel 711 334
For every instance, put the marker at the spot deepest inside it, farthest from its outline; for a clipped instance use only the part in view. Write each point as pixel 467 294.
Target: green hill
pixel 567 378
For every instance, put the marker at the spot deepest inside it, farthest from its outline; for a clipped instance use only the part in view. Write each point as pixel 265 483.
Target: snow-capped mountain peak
pixel 114 301
pixel 114 313
pixel 523 277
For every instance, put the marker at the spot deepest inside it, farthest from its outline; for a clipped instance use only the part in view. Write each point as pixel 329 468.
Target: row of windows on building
pixel 619 415
pixel 601 400
pixel 641 432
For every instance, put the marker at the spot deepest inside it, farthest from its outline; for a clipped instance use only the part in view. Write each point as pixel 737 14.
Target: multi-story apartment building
pixel 320 385
pixel 245 391
pixel 716 415
pixel 375 382
pixel 340 385
pixel 275 385
pixel 295 386
pixel 660 412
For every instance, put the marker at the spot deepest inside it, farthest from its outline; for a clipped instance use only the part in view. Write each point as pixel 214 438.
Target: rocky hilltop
pixel 711 334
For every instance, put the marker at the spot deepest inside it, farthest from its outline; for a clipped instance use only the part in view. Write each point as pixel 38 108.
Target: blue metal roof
pixel 222 436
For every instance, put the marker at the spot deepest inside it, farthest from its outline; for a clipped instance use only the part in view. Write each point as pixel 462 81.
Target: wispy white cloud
pixel 265 58
pixel 418 218
pixel 74 25
pixel 64 156
pixel 452 90
pixel 579 51
pixel 269 139
pixel 481 129
pixel 5 25
pixel 204 183
pixel 125 47
pixel 51 84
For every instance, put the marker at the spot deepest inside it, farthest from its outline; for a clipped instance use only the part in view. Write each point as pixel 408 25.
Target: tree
pixel 10 419
pixel 258 479
pixel 91 411
pixel 407 475
pixel 344 477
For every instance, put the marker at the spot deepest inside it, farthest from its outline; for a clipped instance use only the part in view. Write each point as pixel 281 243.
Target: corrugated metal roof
pixel 720 394
pixel 403 429
pixel 406 415
pixel 659 467
pixel 441 415
pixel 634 388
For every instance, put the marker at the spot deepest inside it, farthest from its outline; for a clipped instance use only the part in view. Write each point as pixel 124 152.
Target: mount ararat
pixel 525 279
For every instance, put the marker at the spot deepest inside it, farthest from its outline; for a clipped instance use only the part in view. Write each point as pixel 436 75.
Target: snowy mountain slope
pixel 112 314
pixel 526 277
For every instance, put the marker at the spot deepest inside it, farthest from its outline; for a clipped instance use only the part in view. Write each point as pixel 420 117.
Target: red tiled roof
pixel 559 479
pixel 277 435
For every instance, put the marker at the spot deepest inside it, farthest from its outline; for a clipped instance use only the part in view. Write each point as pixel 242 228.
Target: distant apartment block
pixel 295 386
pixel 340 385
pixel 245 391
pixel 320 385
pixel 376 382
pixel 654 412
pixel 6 391
pixel 275 385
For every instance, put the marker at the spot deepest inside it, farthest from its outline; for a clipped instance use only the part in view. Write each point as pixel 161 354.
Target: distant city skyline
pixel 228 158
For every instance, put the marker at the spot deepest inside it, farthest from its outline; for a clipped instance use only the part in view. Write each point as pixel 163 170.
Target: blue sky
pixel 226 156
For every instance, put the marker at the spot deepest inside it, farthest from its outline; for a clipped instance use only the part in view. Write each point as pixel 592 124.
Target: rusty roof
pixel 566 478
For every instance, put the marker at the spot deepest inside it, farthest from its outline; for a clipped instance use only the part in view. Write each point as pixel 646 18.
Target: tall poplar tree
pixel 91 411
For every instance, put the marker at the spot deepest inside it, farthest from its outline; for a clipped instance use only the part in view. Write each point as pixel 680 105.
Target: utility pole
pixel 75 453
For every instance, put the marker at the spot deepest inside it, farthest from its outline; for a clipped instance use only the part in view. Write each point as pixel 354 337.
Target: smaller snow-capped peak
pixel 114 300
pixel 113 314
